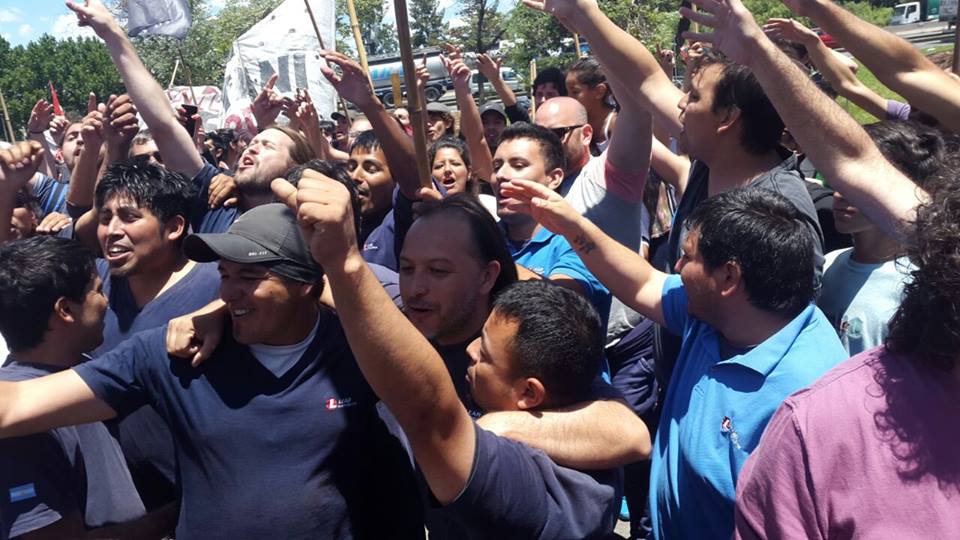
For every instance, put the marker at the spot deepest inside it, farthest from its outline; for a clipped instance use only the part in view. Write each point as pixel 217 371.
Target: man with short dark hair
pixel 549 83
pixel 751 336
pixel 277 432
pixel 70 481
pixel 541 348
pixel 143 212
pixel 534 153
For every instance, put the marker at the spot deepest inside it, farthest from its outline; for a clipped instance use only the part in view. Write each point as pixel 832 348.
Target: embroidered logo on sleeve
pixel 726 427
pixel 22 493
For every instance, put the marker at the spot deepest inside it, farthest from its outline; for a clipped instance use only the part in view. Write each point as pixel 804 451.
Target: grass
pixel 871 82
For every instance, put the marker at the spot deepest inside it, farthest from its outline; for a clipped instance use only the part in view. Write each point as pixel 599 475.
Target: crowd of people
pixel 713 308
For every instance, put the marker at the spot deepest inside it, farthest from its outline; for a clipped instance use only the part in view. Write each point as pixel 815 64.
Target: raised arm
pixel 626 273
pixel 175 144
pixel 40 117
pixel 353 85
pixel 672 169
pixel 623 57
pixel 398 362
pixel 894 61
pixel 470 124
pixel 839 74
pixel 18 164
pixel 490 68
pixel 839 146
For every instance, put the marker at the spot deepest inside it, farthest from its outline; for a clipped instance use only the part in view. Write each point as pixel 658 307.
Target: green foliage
pixel 75 66
pixel 378 37
pixel 426 24
pixel 485 26
pixel 879 16
pixel 534 35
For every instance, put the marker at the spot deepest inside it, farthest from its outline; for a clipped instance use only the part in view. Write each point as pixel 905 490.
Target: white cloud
pixel 9 14
pixel 457 22
pixel 25 30
pixel 444 4
pixel 66 27
pixel 7 36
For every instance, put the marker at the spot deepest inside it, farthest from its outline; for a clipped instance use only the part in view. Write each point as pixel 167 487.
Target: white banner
pixel 158 17
pixel 283 43
pixel 209 103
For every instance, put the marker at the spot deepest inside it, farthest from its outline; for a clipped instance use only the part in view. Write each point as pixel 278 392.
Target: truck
pixel 948 12
pixel 383 67
pixel 912 12
pixel 508 75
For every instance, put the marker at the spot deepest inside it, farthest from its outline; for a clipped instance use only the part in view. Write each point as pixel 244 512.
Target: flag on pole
pixel 158 17
pixel 57 109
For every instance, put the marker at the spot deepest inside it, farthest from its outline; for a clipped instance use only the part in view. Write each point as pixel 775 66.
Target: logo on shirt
pixel 22 493
pixel 334 403
pixel 726 427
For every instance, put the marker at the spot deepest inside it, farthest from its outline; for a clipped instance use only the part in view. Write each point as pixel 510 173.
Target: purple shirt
pixel 897 110
pixel 868 451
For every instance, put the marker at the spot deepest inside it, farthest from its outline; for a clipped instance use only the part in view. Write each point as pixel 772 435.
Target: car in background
pixel 826 38
pixel 508 75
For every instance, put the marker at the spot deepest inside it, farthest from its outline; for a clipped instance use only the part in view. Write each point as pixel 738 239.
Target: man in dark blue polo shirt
pixel 72 480
pixel 277 434
pixel 541 348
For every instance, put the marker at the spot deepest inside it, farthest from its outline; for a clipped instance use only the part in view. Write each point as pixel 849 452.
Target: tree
pixel 484 26
pixel 378 36
pixel 535 35
pixel 75 66
pixel 426 27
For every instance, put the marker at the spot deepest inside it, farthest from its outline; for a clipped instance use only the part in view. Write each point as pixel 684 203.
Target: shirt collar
pixel 765 356
pixel 284 356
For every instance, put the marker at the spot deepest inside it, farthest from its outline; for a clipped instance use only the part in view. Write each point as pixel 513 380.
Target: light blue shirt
pixel 548 254
pixel 716 410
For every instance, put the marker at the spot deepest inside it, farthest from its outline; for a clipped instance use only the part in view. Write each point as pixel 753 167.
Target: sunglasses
pixel 561 132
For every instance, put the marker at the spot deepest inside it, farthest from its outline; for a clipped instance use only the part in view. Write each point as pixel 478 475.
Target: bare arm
pixel 398 362
pixel 834 141
pixel 175 144
pixel 18 165
pixel 353 85
pixel 623 55
pixel 839 74
pixel 673 169
pixel 38 405
pixel 490 69
pixel 86 170
pixel 627 274
pixel 470 124
pixel 895 62
pixel 588 436
pixel 40 117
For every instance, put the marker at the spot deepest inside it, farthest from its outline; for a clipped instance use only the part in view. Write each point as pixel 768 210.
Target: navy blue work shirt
pixel 48 476
pixel 299 454
pixel 204 219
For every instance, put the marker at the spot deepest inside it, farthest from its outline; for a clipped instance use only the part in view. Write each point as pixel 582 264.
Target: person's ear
pixel 63 311
pixel 555 178
pixel 532 395
pixel 489 277
pixel 729 278
pixel 728 121
pixel 176 228
pixel 587 134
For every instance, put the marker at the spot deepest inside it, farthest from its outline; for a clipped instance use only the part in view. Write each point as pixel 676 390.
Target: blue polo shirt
pixel 269 452
pixel 716 410
pixel 548 254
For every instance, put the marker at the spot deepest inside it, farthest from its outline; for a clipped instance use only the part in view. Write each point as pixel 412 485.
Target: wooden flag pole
pixel 417 114
pixel 358 39
pixel 576 43
pixel 316 30
pixel 186 67
pixel 173 77
pixel 6 120
pixel 533 90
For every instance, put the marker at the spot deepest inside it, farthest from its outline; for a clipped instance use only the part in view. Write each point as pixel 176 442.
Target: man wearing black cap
pixel 277 433
pixel 439 121
pixel 494 120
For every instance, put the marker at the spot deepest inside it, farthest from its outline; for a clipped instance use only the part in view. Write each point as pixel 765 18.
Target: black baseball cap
pixel 495 107
pixel 337 115
pixel 267 235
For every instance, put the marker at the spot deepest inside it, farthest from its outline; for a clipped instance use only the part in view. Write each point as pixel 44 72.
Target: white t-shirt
pixel 280 358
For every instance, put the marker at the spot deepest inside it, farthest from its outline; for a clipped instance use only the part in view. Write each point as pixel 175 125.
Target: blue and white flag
pixel 158 17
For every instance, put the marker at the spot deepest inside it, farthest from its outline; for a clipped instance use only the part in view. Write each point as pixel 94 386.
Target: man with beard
pixel 274 150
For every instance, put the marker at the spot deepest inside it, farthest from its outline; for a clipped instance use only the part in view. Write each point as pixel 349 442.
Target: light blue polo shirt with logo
pixel 716 410
pixel 548 254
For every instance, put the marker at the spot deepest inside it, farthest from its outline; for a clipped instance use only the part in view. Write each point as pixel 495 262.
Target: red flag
pixel 57 109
